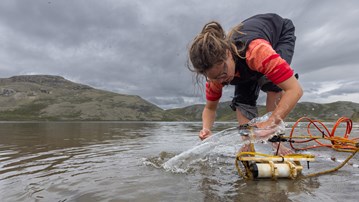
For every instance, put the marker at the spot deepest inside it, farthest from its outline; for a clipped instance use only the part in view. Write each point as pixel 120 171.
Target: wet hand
pixel 265 129
pixel 204 133
pixel 264 133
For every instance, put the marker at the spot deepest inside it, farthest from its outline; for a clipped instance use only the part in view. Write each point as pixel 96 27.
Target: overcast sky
pixel 139 47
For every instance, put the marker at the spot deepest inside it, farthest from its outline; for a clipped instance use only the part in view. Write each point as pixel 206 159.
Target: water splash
pixel 222 144
pixel 226 142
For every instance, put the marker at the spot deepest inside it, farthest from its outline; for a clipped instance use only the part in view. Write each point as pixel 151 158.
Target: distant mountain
pixel 329 112
pixel 46 97
pixel 323 112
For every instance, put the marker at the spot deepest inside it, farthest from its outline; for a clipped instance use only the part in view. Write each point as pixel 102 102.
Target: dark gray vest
pixel 269 27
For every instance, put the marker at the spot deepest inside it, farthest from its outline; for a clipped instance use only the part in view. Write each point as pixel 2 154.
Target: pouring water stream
pixel 225 143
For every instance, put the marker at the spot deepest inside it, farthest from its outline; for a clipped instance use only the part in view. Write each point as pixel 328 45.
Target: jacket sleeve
pixel 213 91
pixel 261 57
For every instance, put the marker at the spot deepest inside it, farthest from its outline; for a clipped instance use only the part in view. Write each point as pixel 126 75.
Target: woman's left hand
pixel 265 129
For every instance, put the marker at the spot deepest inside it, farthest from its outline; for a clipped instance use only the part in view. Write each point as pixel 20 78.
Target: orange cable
pixel 338 143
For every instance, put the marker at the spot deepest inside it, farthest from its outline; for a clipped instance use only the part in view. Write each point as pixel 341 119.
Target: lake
pixel 124 161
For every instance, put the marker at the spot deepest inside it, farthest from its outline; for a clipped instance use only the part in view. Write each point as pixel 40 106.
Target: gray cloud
pixel 140 47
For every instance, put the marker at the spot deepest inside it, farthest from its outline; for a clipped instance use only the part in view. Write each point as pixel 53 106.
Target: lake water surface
pixel 124 161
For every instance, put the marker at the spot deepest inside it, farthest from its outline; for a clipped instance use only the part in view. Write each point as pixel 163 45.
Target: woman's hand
pixel 265 129
pixel 268 124
pixel 269 129
pixel 204 133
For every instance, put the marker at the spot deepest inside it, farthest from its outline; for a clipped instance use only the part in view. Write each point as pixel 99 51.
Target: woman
pixel 254 56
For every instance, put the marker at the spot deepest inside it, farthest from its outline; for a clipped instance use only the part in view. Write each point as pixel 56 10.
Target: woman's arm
pixel 261 57
pixel 208 117
pixel 292 93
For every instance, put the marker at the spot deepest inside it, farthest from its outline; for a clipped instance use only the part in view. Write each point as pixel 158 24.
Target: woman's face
pixel 222 72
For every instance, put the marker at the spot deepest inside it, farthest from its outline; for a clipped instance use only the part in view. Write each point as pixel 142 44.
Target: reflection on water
pixel 123 161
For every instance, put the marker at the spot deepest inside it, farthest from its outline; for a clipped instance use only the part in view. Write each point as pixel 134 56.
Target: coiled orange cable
pixel 338 143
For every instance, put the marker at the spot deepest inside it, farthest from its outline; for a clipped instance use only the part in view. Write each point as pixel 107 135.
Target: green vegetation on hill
pixel 52 98
pixel 324 112
pixel 44 97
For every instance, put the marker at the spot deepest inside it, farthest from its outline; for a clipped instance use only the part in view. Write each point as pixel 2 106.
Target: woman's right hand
pixel 204 133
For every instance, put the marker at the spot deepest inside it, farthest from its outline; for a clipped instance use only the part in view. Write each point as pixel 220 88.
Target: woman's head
pixel 211 52
pixel 208 48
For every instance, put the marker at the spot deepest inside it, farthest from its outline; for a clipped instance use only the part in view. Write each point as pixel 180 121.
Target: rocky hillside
pixel 44 97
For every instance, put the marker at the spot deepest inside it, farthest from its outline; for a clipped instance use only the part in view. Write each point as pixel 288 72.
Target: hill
pixel 53 98
pixel 323 112
pixel 45 97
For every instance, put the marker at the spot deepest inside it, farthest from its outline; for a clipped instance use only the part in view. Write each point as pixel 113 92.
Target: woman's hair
pixel 209 48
